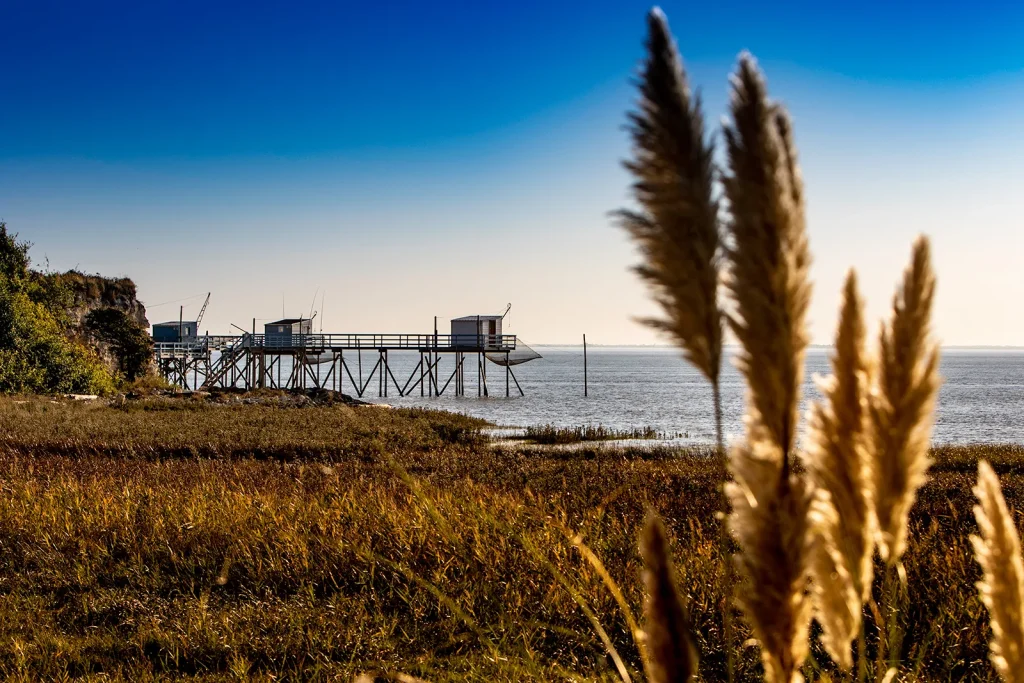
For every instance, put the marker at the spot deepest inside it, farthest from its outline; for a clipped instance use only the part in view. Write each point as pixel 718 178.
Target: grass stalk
pixel 723 536
pixel 862 652
pixel 883 618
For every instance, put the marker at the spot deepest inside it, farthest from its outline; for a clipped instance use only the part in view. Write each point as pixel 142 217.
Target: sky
pixel 401 161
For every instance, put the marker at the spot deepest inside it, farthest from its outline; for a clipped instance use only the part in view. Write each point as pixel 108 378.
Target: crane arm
pixel 202 310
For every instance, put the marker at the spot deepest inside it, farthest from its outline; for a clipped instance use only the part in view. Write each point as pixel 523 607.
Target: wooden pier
pixel 255 361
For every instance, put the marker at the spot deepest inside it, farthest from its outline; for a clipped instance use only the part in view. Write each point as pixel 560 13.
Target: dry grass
pixel 1002 588
pixel 836 460
pixel 768 264
pixel 182 428
pixel 144 568
pixel 677 226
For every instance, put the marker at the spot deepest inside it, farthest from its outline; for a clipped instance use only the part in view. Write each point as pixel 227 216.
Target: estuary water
pixel 981 400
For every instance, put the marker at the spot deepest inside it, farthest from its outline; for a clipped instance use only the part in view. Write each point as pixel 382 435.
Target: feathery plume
pixel 769 256
pixel 769 520
pixel 902 404
pixel 769 264
pixel 841 514
pixel 676 228
pixel 671 654
pixel 997 550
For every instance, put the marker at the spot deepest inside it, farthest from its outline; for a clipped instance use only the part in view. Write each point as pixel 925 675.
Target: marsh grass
pixel 186 428
pixel 551 435
pixel 142 568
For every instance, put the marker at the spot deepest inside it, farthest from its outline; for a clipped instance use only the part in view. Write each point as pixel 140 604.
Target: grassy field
pixel 242 542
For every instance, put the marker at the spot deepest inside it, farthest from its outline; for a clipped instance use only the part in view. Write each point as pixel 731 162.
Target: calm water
pixel 982 397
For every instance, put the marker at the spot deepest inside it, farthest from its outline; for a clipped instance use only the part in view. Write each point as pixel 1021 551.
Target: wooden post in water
pixel 585 366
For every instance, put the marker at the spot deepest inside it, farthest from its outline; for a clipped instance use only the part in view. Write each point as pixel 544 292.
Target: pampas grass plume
pixel 997 550
pixel 902 404
pixel 769 520
pixel 769 264
pixel 671 654
pixel 842 512
pixel 676 227
pixel 769 257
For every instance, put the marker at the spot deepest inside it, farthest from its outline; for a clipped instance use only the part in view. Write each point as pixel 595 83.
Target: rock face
pixel 95 291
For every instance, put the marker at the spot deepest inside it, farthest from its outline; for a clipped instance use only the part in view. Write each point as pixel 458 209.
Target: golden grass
pixel 143 568
pixel 769 258
pixel 842 513
pixel 903 402
pixel 183 428
pixel 1002 586
pixel 668 643
pixel 768 281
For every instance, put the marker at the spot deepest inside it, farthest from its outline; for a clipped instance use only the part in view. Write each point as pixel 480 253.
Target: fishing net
pixel 521 354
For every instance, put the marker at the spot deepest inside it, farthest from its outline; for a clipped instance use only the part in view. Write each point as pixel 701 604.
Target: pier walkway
pixel 251 361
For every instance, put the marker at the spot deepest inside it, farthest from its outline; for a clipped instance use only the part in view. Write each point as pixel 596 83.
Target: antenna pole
pixel 584 366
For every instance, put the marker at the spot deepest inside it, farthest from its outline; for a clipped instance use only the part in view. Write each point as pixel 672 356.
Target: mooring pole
pixel 584 365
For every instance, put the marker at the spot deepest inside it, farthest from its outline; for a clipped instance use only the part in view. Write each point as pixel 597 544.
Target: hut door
pixel 492 330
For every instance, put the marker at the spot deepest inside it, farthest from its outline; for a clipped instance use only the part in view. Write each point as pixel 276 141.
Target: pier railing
pixel 345 341
pixel 419 342
pixel 196 345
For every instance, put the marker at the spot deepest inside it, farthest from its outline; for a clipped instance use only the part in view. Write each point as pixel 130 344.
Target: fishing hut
pixel 290 355
pixel 175 331
pixel 287 331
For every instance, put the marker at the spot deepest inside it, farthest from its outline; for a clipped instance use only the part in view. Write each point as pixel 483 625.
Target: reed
pixel 836 462
pixel 671 655
pixel 902 404
pixel 677 224
pixel 552 435
pixel 769 257
pixel 997 550
pixel 768 282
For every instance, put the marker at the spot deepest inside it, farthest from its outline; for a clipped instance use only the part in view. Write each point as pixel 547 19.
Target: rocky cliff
pixel 94 305
pixel 92 292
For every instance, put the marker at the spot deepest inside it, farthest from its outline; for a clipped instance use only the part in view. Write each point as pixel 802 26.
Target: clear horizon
pixel 412 162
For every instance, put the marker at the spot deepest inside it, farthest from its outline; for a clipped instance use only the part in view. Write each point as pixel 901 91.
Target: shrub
pixel 129 342
pixel 37 352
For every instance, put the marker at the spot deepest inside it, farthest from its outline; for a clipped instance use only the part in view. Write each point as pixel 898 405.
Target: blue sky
pixel 413 160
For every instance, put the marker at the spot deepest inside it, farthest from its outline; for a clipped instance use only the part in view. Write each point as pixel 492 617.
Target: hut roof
pixel 290 321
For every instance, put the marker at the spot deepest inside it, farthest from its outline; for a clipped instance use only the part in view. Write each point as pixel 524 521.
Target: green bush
pixel 129 342
pixel 38 353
